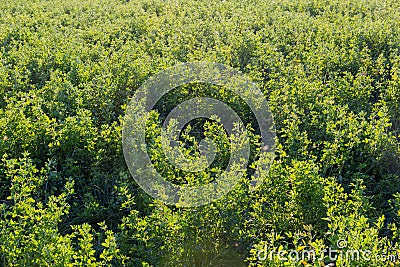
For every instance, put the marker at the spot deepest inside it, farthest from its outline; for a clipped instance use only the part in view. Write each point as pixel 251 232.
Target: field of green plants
pixel 329 69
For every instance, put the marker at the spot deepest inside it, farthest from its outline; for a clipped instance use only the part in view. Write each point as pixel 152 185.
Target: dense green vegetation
pixel 329 69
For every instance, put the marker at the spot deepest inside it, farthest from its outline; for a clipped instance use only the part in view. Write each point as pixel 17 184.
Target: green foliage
pixel 330 71
pixel 29 223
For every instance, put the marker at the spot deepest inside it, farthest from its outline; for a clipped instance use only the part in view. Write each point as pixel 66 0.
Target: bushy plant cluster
pixel 329 69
